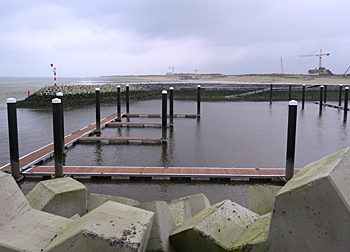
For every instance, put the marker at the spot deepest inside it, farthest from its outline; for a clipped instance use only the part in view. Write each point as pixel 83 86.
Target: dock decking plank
pixel 162 171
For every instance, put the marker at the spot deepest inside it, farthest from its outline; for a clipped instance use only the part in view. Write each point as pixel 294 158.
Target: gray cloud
pixel 145 37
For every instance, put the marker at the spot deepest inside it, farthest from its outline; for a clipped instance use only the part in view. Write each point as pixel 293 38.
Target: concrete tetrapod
pixel 185 208
pixel 262 198
pixel 21 227
pixel 163 226
pixel 62 196
pixel 312 211
pixel 96 200
pixel 214 229
pixel 110 227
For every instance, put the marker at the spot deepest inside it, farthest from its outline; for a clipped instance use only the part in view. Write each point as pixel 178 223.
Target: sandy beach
pixel 234 79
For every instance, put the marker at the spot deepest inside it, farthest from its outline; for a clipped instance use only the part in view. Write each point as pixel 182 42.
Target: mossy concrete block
pixel 262 198
pixel 197 202
pixel 214 229
pixel 163 226
pixel 96 200
pixel 31 231
pixel 12 201
pixel 110 227
pixel 312 211
pixel 63 196
pixel 181 211
pixel 254 238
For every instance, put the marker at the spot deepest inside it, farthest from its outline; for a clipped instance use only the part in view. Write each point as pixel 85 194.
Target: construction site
pixel 320 70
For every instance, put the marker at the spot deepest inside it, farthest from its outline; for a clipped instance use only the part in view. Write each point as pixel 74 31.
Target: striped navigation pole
pixel 54 73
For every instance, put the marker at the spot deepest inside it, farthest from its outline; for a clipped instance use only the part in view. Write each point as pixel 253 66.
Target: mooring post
pixel 346 104
pixel 271 88
pixel 59 95
pixel 290 92
pixel 325 94
pixel 13 137
pixel 340 93
pixel 118 104
pixel 291 136
pixel 127 91
pixel 198 100
pixel 164 114
pixel 303 98
pixel 321 100
pixel 171 106
pixel 57 135
pixel 98 111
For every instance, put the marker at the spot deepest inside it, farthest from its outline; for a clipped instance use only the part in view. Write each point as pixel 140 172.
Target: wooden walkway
pixel 331 105
pixel 48 150
pixel 154 172
pixel 29 167
pixel 160 115
pixel 110 140
pixel 136 124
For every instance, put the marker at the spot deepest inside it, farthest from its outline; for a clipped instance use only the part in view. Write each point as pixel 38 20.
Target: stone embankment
pixel 310 213
pixel 84 94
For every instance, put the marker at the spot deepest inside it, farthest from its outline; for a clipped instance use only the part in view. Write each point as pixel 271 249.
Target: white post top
pixel 199 86
pixel 118 86
pixel 321 86
pixel 304 85
pixel 171 88
pixel 59 94
pixel 347 88
pixel 293 103
pixel 56 100
pixel 127 85
pixel 11 100
pixel 164 92
pixel 340 84
pixel 97 89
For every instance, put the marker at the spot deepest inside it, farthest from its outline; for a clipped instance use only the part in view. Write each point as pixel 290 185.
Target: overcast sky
pixel 119 37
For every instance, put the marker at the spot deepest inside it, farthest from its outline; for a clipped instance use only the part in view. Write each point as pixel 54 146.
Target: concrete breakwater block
pixel 12 201
pixel 163 226
pixel 254 237
pixel 21 227
pixel 262 198
pixel 31 231
pixel 64 196
pixel 181 212
pixel 110 227
pixel 185 208
pixel 96 200
pixel 312 211
pixel 213 229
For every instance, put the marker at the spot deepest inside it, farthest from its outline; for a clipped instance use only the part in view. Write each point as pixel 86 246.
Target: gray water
pixel 229 134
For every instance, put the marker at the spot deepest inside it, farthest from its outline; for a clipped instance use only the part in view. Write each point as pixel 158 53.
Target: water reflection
pixel 98 154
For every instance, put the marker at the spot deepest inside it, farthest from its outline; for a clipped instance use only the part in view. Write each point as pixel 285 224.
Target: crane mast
pixel 321 70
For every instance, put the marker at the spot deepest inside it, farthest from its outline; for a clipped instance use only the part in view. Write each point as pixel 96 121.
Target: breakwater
pixel 84 94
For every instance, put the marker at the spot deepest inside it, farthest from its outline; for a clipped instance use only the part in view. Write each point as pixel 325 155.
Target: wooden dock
pixel 47 151
pixel 29 163
pixel 136 124
pixel 161 172
pixel 331 105
pixel 160 115
pixel 121 140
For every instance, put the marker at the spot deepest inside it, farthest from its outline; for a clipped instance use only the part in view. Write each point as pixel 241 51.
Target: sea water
pixel 228 134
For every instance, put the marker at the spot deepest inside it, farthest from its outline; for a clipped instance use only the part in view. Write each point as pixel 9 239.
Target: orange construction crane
pixel 319 55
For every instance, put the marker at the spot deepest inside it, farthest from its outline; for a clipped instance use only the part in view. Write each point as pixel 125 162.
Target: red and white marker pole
pixel 54 73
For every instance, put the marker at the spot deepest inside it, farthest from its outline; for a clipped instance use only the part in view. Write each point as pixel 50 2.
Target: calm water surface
pixel 229 134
